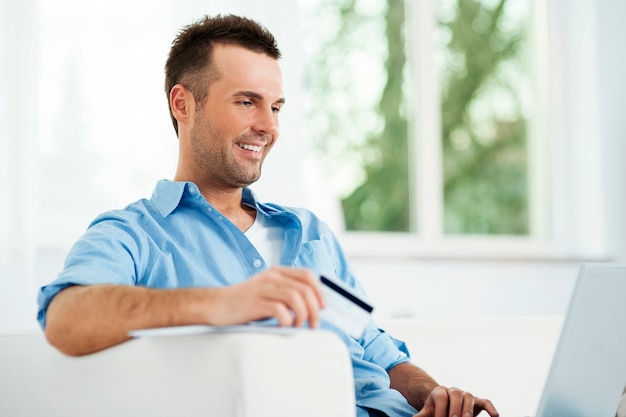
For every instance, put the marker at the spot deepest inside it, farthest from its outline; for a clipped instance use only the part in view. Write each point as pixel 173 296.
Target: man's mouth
pixel 248 147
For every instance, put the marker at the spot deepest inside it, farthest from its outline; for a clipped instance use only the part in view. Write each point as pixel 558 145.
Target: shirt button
pixel 192 190
pixel 257 263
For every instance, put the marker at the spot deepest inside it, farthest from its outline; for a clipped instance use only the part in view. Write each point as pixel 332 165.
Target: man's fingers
pixel 297 290
pixel 468 405
pixel 440 400
pixel 305 304
pixel 482 404
pixel 315 304
pixel 308 278
pixel 280 313
pixel 453 402
pixel 293 300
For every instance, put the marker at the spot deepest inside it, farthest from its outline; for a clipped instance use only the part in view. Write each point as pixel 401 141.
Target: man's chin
pixel 246 182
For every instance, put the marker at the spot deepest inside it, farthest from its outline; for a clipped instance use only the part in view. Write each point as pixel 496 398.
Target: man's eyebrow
pixel 252 94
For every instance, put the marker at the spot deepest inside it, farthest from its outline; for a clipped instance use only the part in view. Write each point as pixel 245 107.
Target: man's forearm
pixel 412 382
pixel 86 319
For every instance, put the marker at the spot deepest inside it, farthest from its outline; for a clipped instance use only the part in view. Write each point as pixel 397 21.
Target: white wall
pixel 451 289
pixel 611 72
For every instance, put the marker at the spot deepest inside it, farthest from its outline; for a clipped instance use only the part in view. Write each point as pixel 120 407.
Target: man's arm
pixel 432 399
pixel 86 319
pixel 413 383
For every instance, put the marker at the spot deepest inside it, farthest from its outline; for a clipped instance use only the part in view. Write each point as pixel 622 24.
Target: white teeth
pixel 250 147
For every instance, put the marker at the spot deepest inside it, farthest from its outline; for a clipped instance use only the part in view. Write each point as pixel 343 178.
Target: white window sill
pixel 404 246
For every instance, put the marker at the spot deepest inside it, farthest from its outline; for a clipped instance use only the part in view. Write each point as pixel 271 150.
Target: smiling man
pixel 204 250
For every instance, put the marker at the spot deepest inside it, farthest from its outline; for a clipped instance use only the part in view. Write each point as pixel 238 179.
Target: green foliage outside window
pixel 483 116
pixel 483 127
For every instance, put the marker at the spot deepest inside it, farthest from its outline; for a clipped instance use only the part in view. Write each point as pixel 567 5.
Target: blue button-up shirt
pixel 177 239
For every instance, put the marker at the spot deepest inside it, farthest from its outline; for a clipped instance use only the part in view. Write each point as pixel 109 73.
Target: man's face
pixel 233 132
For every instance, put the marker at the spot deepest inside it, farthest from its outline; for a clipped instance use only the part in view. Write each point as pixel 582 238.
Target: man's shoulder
pixel 133 213
pixel 165 198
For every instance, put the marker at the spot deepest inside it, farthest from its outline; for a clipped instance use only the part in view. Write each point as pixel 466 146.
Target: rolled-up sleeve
pixel 103 255
pixel 382 349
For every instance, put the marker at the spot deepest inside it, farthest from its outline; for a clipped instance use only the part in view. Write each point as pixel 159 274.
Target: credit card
pixel 344 308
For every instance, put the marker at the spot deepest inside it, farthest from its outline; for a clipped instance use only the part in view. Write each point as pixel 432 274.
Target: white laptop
pixel 588 372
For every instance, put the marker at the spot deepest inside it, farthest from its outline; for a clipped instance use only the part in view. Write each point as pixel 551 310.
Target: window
pixel 425 115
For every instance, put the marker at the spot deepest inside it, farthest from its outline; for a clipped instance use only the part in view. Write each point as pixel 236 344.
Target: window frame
pixel 557 233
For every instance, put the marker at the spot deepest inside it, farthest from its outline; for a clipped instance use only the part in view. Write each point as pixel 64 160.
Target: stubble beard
pixel 213 154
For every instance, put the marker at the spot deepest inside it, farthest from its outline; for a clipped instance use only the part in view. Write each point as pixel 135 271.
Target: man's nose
pixel 266 122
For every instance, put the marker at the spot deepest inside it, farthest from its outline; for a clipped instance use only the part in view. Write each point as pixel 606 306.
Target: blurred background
pixel 470 154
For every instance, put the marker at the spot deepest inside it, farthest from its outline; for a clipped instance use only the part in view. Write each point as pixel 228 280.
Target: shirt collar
pixel 167 196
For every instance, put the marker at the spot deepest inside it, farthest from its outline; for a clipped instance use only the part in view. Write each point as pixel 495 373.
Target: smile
pixel 250 147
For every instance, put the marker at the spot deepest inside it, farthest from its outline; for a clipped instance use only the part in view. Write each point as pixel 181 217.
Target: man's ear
pixel 181 103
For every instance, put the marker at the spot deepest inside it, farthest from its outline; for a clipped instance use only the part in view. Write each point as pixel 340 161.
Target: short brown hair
pixel 189 61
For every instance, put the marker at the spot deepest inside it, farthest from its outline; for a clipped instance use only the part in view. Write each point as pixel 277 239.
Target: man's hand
pixel 292 296
pixel 453 402
pixel 432 399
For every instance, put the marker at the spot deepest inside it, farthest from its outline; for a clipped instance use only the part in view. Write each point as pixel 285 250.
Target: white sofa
pixel 303 373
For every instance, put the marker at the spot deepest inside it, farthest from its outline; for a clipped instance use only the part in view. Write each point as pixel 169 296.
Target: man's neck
pixel 226 199
pixel 229 203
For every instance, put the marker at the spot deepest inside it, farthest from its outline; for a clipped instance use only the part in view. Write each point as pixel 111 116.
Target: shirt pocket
pixel 314 255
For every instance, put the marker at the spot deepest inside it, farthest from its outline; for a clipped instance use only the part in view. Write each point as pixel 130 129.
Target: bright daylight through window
pixel 394 105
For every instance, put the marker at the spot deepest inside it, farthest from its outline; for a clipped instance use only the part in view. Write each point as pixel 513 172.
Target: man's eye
pixel 245 103
pixel 275 109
